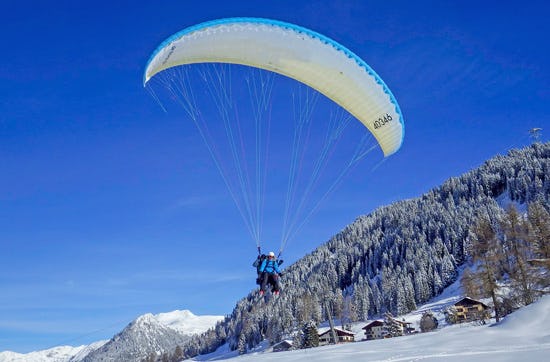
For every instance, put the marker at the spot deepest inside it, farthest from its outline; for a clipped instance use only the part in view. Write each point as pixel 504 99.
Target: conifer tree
pixel 486 252
pixel 349 313
pixel 241 346
pixel 297 340
pixel 538 237
pixel 178 354
pixel 392 326
pixel 310 335
pixel 539 230
pixel 514 231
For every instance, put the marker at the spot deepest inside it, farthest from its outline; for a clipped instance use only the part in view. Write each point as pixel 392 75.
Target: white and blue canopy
pixel 298 53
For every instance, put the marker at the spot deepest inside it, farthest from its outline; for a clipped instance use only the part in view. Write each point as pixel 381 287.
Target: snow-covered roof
pixel 338 331
pixel 284 341
pixel 468 300
pixel 375 323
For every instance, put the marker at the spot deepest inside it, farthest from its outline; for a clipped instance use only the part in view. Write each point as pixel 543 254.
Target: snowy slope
pixel 86 350
pixel 186 322
pixel 148 333
pixel 62 353
pixel 57 354
pixel 522 336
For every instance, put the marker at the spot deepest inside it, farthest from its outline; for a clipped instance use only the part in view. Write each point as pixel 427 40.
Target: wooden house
pixel 342 335
pixel 374 330
pixel 468 309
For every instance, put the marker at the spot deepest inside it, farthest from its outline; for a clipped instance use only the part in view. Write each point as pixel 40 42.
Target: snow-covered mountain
pixel 62 353
pixel 147 335
pixel 152 335
pixel 144 336
pixel 57 354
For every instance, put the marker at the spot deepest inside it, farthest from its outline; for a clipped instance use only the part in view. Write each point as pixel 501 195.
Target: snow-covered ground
pixel 521 336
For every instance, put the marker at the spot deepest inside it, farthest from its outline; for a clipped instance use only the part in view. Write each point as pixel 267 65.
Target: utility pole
pixel 331 323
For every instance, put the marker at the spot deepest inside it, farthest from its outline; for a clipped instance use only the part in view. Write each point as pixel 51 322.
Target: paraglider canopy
pixel 320 65
pixel 298 53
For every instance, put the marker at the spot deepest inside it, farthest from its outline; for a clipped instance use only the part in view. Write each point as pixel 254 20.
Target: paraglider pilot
pixel 268 272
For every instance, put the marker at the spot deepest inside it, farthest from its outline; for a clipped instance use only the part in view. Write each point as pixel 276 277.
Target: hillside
pixel 393 259
pixel 522 336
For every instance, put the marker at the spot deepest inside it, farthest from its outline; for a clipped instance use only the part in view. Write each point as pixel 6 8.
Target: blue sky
pixel 110 208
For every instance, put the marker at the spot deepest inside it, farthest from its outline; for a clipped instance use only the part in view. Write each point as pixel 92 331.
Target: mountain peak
pixel 153 333
pixel 184 321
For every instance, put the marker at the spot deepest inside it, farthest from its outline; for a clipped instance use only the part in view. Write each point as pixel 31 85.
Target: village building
pixel 406 327
pixel 468 309
pixel 378 329
pixel 342 335
pixel 374 330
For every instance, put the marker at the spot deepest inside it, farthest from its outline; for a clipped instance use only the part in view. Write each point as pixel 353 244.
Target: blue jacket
pixel 270 266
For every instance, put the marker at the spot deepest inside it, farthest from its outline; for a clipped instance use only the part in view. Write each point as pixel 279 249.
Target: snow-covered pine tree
pixel 392 326
pixel 349 313
pixel 177 355
pixel 242 344
pixel 297 340
pixel 310 335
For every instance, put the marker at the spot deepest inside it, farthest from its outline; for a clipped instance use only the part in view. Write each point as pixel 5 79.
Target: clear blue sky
pixel 109 211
